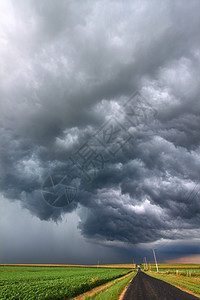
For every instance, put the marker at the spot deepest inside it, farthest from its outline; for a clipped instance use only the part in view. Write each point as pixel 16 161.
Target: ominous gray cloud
pixel 66 68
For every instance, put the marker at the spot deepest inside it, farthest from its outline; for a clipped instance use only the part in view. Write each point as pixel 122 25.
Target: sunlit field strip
pixel 176 266
pixel 129 266
pixel 189 270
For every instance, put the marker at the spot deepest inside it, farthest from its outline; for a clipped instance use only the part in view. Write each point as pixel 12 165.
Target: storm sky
pixel 101 97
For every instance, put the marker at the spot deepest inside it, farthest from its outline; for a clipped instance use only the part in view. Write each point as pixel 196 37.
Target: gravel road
pixel 145 287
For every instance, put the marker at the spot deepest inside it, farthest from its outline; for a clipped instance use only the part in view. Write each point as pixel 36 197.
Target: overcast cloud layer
pixel 69 66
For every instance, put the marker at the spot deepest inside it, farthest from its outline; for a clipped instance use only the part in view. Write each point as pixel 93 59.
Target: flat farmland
pixel 188 284
pixel 104 282
pixel 173 268
pixel 48 282
pixel 124 266
pixel 183 276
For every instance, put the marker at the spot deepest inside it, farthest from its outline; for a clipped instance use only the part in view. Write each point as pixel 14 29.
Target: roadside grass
pixel 114 292
pixel 188 284
pixel 187 273
pixel 189 270
pixel 177 266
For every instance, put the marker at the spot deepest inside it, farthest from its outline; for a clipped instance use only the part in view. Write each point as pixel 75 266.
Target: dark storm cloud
pixel 67 68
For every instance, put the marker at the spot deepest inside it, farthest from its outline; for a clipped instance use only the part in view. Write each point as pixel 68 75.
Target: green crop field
pixel 34 282
pixel 65 282
pixel 113 292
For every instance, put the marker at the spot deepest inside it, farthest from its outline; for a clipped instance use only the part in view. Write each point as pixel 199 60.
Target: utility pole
pixel 146 262
pixel 154 254
pixel 98 264
pixel 133 263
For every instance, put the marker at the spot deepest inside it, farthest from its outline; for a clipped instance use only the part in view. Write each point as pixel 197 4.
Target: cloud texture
pixel 67 68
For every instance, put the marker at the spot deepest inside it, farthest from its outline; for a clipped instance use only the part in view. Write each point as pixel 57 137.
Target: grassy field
pixel 188 284
pixel 189 270
pixel 184 276
pixel 42 282
pixel 114 291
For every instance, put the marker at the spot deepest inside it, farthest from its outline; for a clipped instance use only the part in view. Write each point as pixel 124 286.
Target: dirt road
pixel 145 287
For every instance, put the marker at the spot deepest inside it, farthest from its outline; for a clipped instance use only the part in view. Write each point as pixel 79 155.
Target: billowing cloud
pixel 67 69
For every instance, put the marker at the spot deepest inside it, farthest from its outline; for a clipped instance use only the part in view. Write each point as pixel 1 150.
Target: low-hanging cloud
pixel 68 68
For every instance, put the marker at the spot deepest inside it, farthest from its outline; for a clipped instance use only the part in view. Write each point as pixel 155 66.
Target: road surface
pixel 145 287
